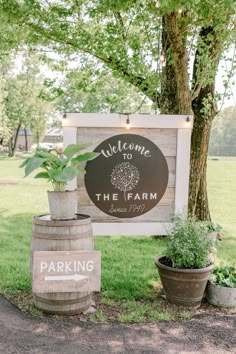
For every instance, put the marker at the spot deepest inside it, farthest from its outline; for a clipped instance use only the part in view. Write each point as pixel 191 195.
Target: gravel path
pixel 20 333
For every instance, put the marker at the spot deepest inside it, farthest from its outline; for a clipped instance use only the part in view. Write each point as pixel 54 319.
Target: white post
pixel 182 171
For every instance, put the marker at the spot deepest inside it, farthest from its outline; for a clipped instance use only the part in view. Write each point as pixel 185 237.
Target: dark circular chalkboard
pixel 128 178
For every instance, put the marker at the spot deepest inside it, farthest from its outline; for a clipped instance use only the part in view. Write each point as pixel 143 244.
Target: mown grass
pixel 129 276
pixel 222 199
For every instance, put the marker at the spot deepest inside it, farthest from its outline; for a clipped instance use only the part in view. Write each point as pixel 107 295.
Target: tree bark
pixel 180 63
pixel 37 137
pixel 12 142
pixel 26 140
pixel 176 99
pixel 168 100
pixel 198 199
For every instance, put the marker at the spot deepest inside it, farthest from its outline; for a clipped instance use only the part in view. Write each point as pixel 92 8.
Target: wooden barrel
pixel 62 235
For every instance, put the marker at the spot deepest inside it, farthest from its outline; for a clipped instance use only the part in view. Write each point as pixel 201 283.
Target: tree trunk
pixel 12 142
pixel 168 99
pixel 198 200
pixel 37 137
pixel 205 110
pixel 26 140
pixel 176 99
pixel 180 63
pixel 175 93
pixel 10 147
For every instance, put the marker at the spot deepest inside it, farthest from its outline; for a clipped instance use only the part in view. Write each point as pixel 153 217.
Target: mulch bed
pixel 111 313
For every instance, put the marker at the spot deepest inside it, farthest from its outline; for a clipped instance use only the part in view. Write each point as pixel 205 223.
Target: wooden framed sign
pixel 140 178
pixel 66 271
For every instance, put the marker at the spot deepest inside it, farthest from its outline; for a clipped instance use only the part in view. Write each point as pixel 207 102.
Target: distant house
pixel 24 140
pixel 53 135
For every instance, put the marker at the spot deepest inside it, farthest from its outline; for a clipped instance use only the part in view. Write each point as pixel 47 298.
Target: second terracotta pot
pixel 183 287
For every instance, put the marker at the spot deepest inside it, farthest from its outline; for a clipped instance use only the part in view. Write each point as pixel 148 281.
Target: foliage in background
pixel 104 94
pixel 5 132
pixel 223 134
pixel 188 245
pixel 21 103
pixel 224 276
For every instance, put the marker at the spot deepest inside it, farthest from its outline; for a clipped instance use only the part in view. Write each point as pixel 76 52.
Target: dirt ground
pixel 204 333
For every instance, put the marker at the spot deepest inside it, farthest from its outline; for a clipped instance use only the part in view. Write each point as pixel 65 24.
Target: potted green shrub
pixel 59 167
pixel 221 287
pixel 185 268
pixel 213 230
pixel 213 233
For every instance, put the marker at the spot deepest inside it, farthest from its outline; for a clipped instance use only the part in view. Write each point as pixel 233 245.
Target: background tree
pixel 223 133
pixel 4 130
pixel 22 105
pixel 149 44
pixel 83 91
pixel 41 113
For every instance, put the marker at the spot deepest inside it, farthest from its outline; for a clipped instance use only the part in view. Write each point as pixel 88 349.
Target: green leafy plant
pixel 188 247
pixel 224 276
pixel 58 166
pixel 211 226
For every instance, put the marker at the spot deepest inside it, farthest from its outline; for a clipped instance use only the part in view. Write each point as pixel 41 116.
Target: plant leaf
pixel 32 164
pixel 42 175
pixel 72 149
pixel 24 162
pixel 63 161
pixel 65 175
pixel 85 157
pixel 44 154
pixel 81 169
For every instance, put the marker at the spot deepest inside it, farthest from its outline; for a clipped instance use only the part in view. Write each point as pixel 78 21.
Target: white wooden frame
pixel 182 123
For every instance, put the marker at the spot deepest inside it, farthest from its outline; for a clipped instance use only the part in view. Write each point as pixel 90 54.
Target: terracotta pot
pixel 220 295
pixel 62 205
pixel 183 287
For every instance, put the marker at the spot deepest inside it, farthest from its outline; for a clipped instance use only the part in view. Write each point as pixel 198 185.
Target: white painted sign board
pixel 66 271
pixel 170 134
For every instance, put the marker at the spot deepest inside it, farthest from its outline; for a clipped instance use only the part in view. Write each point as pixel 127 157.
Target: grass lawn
pixel 129 278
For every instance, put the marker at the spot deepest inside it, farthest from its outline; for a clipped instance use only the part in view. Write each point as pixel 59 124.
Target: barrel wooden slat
pixel 46 220
pixel 59 299
pixel 63 306
pixel 58 236
pixel 65 235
